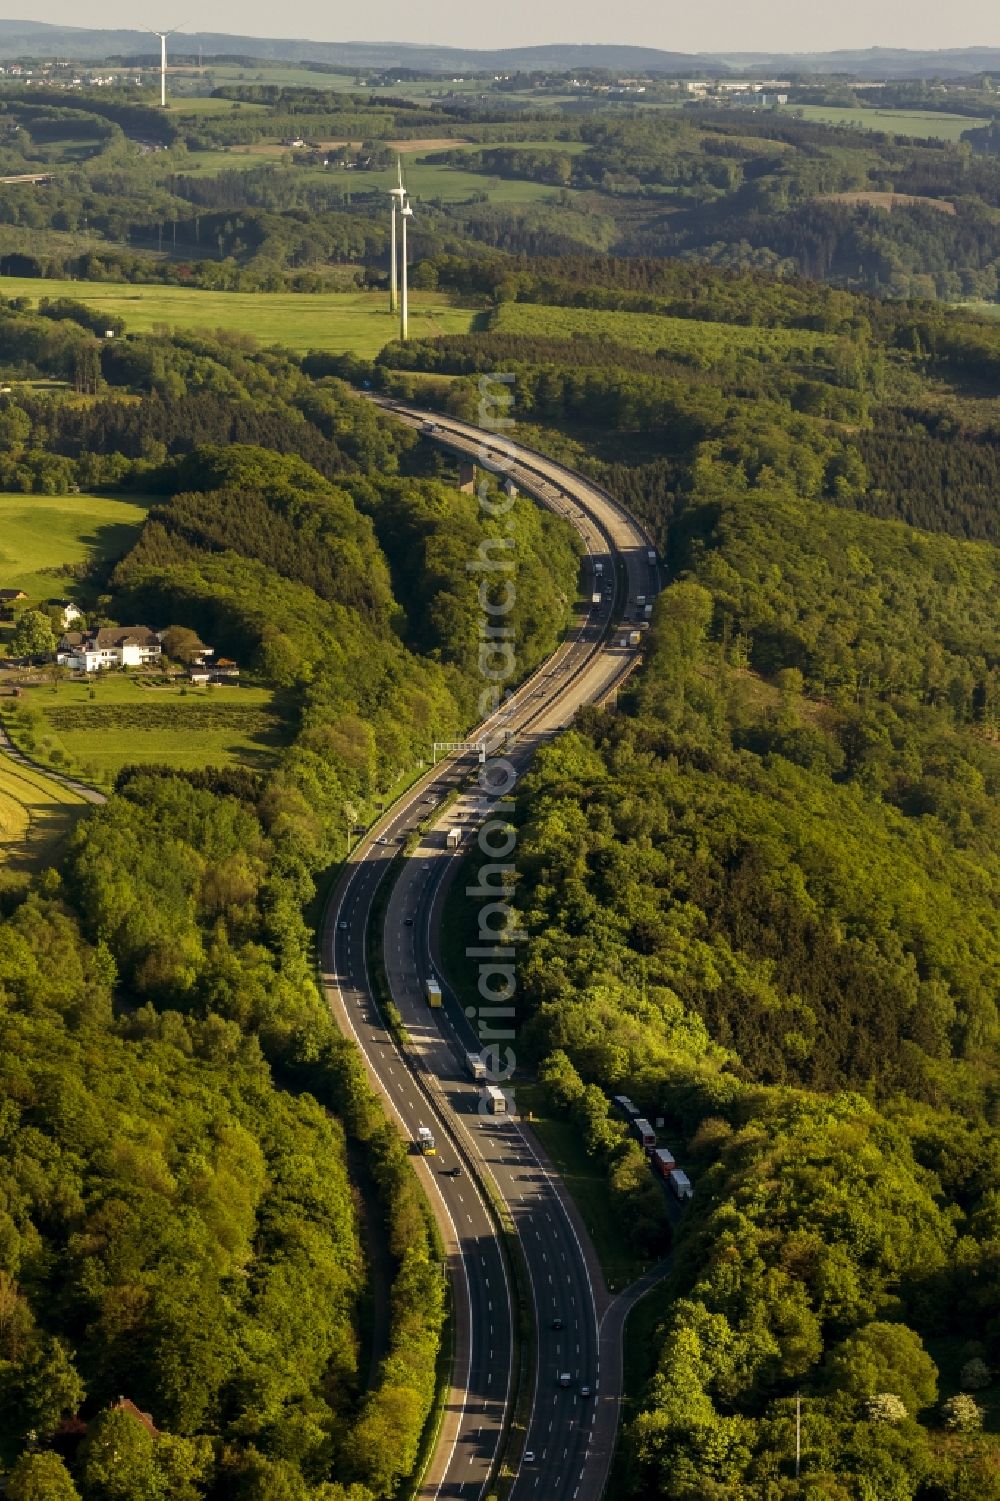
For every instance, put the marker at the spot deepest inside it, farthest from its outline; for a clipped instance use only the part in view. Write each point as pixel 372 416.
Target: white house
pixel 109 646
pixel 68 612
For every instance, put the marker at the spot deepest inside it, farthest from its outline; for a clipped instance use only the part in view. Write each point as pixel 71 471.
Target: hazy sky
pixel 726 25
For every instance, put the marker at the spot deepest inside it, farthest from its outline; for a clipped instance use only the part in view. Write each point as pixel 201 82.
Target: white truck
pixel 496 1100
pixel 640 600
pixel 432 990
pixel 595 598
pixel 634 638
pixel 647 610
pixel 453 838
pixel 598 569
pixel 425 1141
pixel 475 1065
pixel 680 1184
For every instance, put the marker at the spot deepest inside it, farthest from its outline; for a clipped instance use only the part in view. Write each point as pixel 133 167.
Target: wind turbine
pixel 400 194
pixel 405 213
pixel 163 59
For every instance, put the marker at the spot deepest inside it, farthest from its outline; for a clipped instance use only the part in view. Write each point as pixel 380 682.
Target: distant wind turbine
pixel 400 194
pixel 163 59
pixel 405 213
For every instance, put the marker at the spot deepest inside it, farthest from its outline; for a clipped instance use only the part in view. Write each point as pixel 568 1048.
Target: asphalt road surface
pixel 485 1167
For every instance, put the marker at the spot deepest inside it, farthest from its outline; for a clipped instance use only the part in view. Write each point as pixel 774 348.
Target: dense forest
pixel 180 1230
pixel 745 189
pixel 194 1168
pixel 673 382
pixel 760 897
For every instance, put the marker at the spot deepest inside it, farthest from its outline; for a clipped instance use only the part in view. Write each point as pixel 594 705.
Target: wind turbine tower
pixel 163 60
pixel 405 213
pixel 398 196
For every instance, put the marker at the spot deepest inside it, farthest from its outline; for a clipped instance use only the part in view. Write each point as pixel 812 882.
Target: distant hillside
pixel 21 38
pixel 872 62
pixel 36 38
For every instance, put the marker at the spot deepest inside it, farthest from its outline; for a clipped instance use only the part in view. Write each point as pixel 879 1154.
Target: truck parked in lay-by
pixel 425 1141
pixel 475 1065
pixel 634 638
pixel 595 598
pixel 680 1184
pixel 432 990
pixel 453 838
pixel 496 1100
pixel 663 1161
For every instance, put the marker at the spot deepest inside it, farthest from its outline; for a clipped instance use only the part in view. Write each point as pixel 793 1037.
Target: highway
pixel 482 1157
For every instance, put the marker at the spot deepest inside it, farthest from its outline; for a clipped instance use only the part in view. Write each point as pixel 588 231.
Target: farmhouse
pixel 68 611
pixel 8 599
pixel 109 646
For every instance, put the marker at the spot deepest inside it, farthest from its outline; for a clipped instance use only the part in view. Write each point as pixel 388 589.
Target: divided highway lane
pixel 571 1436
pixel 561 1289
pixel 476 1261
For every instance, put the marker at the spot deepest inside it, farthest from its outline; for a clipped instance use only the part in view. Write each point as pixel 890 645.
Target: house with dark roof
pixel 107 647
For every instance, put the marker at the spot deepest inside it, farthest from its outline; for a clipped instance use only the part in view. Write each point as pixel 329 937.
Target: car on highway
pixel 342 925
pixel 585 1391
pixel 565 1379
pixel 529 1456
pixel 407 922
pixel 556 1324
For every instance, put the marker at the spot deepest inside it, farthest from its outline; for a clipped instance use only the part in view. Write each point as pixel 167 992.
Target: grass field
pixel 214 75
pixel 984 309
pixel 128 721
pixel 425 178
pixel 35 812
pixel 920 123
pixel 193 104
pixel 335 83
pixel 39 532
pixel 651 332
pixel 339 321
pixel 428 180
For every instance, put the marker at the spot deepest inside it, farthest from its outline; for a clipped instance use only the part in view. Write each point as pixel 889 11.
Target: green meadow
pixel 39 533
pixel 358 322
pixel 920 123
pixel 120 719
pixel 653 332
